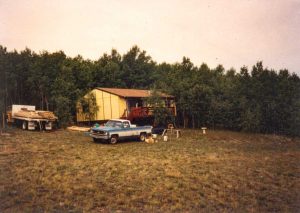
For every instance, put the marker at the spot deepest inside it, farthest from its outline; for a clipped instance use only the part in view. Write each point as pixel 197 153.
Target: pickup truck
pixel 118 129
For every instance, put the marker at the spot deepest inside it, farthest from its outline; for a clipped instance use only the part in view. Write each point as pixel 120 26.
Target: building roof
pixel 132 93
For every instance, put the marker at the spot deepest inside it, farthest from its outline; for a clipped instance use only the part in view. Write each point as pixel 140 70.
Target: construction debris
pixel 79 129
pixel 34 114
pixel 151 139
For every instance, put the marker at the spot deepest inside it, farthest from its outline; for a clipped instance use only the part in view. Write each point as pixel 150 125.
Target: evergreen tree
pixel 256 100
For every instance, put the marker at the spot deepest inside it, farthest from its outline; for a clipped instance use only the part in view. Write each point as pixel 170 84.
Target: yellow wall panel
pixel 115 106
pixel 99 104
pixel 106 105
pixel 122 106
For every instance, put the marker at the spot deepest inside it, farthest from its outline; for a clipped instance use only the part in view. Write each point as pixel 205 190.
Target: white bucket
pixel 165 138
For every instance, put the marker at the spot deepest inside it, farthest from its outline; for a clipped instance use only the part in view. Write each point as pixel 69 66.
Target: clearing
pixel 64 171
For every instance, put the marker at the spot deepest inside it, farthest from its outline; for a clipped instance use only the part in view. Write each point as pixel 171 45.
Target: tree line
pixel 254 99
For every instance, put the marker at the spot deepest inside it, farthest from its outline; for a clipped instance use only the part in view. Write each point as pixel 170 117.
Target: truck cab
pixel 119 123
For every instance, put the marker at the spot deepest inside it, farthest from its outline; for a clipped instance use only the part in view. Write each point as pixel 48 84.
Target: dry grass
pixel 223 171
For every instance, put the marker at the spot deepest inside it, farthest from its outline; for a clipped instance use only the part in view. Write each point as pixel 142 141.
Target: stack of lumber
pixel 47 114
pixel 79 129
pixel 28 114
pixel 36 114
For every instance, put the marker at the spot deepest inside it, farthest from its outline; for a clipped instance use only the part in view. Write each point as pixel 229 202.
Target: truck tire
pixel 113 139
pixel 25 125
pixel 142 137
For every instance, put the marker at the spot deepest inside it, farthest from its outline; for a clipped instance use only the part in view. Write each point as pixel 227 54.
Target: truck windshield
pixel 114 124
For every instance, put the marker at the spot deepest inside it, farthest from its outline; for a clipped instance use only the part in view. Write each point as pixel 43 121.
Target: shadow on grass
pixel 122 141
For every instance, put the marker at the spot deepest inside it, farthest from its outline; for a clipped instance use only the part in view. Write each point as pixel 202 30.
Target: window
pixel 126 124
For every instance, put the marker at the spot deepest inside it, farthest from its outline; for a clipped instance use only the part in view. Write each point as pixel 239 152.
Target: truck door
pixel 127 130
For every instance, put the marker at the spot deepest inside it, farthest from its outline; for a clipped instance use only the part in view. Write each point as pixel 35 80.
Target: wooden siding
pixel 110 106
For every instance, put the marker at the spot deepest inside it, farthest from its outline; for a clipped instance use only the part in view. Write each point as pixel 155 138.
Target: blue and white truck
pixel 118 129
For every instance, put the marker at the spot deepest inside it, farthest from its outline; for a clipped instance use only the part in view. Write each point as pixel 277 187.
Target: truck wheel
pixel 25 125
pixel 113 139
pixel 142 137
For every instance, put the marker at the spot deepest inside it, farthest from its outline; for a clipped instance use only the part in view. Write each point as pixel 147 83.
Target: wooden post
pixel 178 133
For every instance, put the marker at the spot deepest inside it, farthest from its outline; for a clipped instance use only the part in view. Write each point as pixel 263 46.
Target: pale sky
pixel 228 32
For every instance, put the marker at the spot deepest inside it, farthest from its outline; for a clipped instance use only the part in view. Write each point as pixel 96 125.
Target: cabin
pixel 115 103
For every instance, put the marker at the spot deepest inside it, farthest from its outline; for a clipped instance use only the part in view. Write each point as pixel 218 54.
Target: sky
pixel 233 33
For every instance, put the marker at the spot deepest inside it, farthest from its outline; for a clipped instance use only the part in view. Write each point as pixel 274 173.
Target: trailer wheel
pixel 143 137
pixel 113 139
pixel 25 125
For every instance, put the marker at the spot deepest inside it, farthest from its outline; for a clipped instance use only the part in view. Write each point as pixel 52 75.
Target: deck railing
pixel 143 112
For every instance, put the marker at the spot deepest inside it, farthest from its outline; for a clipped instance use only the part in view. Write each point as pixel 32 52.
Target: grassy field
pixel 65 171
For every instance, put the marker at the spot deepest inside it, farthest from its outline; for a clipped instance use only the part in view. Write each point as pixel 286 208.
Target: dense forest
pixel 255 100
